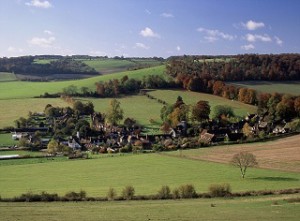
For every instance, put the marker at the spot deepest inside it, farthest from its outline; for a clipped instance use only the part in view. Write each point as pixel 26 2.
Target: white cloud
pixel 48 32
pixel 214 35
pixel 167 15
pixel 141 45
pixel 254 38
pixel 148 12
pixel 252 25
pixel 178 48
pixel 39 4
pixel 278 41
pixel 42 42
pixel 248 47
pixel 147 32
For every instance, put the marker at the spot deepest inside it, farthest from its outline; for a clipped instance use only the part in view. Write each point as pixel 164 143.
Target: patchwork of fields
pixel 22 89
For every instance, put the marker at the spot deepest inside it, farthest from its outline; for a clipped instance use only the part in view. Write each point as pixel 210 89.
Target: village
pixel 68 131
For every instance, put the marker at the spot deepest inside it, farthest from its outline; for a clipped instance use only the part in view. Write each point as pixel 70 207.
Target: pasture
pixel 110 65
pixel 271 208
pixel 5 77
pixel 287 87
pixel 13 109
pixel 138 107
pixel 189 97
pixel 146 172
pixel 22 89
pixel 6 140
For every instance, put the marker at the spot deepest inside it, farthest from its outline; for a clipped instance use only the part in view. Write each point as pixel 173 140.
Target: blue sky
pixel 146 28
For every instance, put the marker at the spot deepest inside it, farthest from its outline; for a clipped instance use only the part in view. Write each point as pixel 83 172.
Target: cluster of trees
pixel 279 106
pixel 116 87
pixel 236 68
pixel 26 66
pixel 173 114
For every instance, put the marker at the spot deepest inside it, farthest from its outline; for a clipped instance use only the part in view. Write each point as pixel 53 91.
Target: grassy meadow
pixel 146 172
pixel 189 97
pixel 22 89
pixel 138 107
pixel 287 87
pixel 271 208
pixel 5 76
pixel 12 109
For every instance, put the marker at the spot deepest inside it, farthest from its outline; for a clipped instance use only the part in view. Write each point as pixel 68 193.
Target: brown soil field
pixel 282 154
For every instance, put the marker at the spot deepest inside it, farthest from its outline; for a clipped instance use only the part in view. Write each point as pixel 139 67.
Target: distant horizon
pixel 123 57
pixel 142 28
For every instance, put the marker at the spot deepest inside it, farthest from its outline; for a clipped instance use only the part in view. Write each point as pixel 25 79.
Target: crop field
pixel 5 76
pixel 22 89
pixel 282 154
pixel 189 97
pixel 13 109
pixel 145 172
pixel 287 87
pixel 271 208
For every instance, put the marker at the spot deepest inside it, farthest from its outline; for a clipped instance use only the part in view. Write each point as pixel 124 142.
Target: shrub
pixel 49 197
pixel 73 196
pixel 164 193
pixel 187 191
pixel 220 190
pixel 111 194
pixel 128 193
pixel 175 193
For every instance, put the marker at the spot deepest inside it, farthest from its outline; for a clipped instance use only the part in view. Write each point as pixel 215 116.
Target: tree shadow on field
pixel 276 178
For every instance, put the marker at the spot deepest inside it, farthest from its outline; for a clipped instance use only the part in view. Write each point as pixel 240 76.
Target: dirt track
pixel 282 154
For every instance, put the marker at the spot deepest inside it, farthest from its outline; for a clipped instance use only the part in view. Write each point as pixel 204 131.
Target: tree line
pixel 235 68
pixel 208 75
pixel 25 65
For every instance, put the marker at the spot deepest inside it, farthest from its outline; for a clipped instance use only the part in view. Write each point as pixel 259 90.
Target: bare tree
pixel 243 160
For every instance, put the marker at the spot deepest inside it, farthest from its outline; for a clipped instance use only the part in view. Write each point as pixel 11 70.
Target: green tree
pixel 201 111
pixel 222 110
pixel 114 113
pixel 52 147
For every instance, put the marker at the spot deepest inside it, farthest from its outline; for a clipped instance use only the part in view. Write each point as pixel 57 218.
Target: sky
pixel 148 28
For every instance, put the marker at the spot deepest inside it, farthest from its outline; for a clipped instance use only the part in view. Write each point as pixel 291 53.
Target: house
pixel 74 145
pixel 206 137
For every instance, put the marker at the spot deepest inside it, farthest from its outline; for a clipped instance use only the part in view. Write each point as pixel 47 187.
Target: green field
pixel 113 65
pixel 15 108
pixel 286 87
pixel 189 97
pixel 138 107
pixel 22 89
pixel 272 208
pixel 6 140
pixel 110 65
pixel 5 76
pixel 146 172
